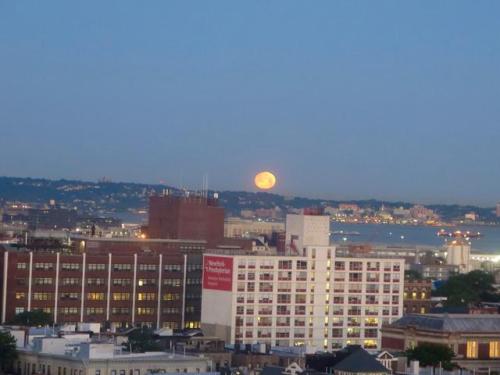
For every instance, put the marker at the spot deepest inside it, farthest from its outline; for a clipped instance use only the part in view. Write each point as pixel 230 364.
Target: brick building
pixel 127 282
pixel 186 217
pixel 417 296
pixel 475 339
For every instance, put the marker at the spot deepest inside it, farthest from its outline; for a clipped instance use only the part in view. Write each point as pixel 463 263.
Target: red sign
pixel 217 273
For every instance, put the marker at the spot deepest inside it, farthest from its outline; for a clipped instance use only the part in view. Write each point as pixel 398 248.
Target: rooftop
pixel 451 323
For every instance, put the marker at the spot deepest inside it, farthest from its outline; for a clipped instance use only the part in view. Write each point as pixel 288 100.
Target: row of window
pixel 98 296
pixel 42 266
pixel 66 281
pixel 101 310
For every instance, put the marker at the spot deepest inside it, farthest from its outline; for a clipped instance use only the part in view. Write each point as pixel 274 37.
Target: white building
pixel 458 254
pixel 59 356
pixel 316 299
pixel 307 230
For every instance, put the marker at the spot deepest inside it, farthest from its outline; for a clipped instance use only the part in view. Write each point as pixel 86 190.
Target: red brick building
pixel 128 282
pixel 417 296
pixel 186 217
pixel 475 339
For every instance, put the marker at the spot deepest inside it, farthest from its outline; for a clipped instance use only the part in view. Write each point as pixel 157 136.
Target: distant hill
pixel 109 197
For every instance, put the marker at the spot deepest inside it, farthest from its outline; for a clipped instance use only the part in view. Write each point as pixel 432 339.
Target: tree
pixel 32 318
pixel 8 351
pixel 469 289
pixel 429 354
pixel 413 275
pixel 141 340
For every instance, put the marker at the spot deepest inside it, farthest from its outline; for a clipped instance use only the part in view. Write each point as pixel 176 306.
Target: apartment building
pixel 314 299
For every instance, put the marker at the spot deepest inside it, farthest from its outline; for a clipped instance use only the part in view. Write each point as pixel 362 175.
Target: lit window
pixel 494 349
pixel 472 349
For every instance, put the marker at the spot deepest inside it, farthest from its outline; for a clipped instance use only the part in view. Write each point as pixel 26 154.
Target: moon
pixel 265 180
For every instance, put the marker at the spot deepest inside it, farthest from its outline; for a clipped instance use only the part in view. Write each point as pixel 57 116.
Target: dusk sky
pixel 340 99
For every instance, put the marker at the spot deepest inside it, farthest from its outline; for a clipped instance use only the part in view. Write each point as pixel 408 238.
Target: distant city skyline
pixel 341 100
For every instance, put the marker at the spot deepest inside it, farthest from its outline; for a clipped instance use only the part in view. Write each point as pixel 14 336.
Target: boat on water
pixel 345 233
pixel 459 234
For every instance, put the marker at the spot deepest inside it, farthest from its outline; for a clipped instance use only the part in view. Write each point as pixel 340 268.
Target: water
pixel 415 235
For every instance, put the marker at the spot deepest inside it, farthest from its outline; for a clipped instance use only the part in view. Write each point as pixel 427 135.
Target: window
pixel 96 267
pixel 171 310
pixel 121 296
pixel 70 281
pixel 472 349
pixel 120 311
pixel 122 282
pixel 93 281
pixel 146 282
pixel 70 266
pixel 42 281
pixel 95 296
pixel 147 267
pixel 145 311
pixel 19 310
pixel 171 296
pixel 44 266
pixel 42 296
pixel 494 349
pixel 67 295
pixel 172 282
pixel 172 267
pixel 95 310
pixel 69 310
pixel 146 296
pixel 20 295
pixel 122 267
pixel 21 266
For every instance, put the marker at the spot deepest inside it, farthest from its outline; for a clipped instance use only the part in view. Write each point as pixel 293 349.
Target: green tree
pixel 141 340
pixel 434 355
pixel 32 318
pixel 469 289
pixel 8 351
pixel 413 275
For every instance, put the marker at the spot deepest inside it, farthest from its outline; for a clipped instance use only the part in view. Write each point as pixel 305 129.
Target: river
pixel 414 235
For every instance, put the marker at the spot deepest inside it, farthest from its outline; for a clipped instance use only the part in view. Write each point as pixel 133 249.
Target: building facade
pixel 88 358
pixel 417 296
pixel 475 339
pixel 316 300
pixel 119 282
pixel 186 217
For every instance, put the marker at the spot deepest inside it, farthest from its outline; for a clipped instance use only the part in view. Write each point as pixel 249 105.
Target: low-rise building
pixel 59 356
pixel 475 339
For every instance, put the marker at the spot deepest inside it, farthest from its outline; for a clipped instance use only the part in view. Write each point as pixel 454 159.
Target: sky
pixel 340 99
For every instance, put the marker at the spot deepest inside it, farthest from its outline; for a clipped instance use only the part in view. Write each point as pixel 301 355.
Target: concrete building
pixel 475 339
pixel 306 230
pixel 315 300
pixel 458 254
pixel 59 356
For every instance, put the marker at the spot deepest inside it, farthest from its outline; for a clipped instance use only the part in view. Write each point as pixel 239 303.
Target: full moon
pixel 265 180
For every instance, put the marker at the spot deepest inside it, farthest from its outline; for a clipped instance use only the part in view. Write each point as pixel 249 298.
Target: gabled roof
pixel 451 323
pixel 359 360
